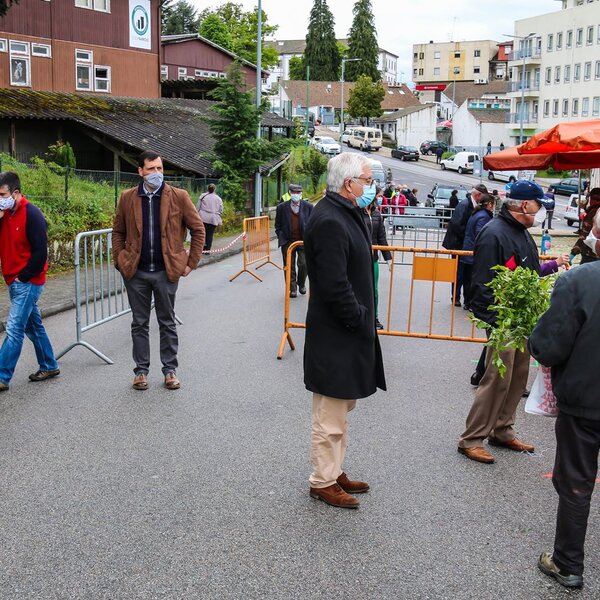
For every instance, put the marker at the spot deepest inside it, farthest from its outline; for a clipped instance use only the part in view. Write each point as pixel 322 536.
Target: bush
pixel 448 155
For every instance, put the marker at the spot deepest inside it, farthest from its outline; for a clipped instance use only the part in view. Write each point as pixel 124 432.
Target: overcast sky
pixel 400 24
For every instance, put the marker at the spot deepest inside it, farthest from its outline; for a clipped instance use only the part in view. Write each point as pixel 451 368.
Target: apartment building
pixel 435 65
pixel 555 68
pixel 95 46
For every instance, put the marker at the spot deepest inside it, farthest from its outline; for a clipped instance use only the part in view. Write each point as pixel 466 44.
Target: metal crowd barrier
pixel 405 316
pixel 256 245
pixel 100 294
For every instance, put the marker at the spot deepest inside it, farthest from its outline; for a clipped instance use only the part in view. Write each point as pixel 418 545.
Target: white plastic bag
pixel 542 400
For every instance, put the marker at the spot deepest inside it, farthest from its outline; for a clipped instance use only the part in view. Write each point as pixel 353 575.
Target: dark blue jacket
pixel 476 223
pixel 455 234
pixel 283 220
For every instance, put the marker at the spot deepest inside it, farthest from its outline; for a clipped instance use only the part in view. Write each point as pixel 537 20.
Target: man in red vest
pixel 24 259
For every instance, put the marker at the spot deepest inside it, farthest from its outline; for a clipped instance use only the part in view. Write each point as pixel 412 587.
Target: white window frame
pixel 27 61
pixel 587 71
pixel 198 72
pixel 181 73
pixel 164 72
pixel 550 42
pixel 559 40
pixel 555 106
pixel 84 63
pixel 437 55
pixel 3 45
pixel 579 37
pixel 565 107
pixel 546 108
pixel 108 79
pixel 436 70
pixel 567 74
pixel 569 40
pixel 597 70
pixel 595 106
pixel 104 10
pixel 557 74
pixel 476 53
pixel 575 107
pixel 585 107
pixel 589 36
pixel 577 72
pixel 88 4
pixel 35 50
pixel 548 75
pixel 13 43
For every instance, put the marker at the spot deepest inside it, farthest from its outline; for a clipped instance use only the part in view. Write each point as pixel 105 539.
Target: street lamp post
pixel 344 61
pixel 523 39
pixel 455 71
pixel 257 178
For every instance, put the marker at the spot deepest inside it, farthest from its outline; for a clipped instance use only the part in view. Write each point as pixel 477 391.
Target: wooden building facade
pixel 85 46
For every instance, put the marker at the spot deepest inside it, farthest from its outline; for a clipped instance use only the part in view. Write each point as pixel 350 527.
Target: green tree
pixel 213 29
pixel 5 5
pixel 362 44
pixel 237 153
pixel 242 28
pixel 365 99
pixel 313 165
pixel 322 53
pixel 61 154
pixel 297 69
pixel 179 17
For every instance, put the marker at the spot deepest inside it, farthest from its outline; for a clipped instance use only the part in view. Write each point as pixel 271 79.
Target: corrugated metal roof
pixel 171 127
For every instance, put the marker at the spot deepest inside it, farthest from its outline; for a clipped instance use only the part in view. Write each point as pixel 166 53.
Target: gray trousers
pixel 140 290
pixel 299 278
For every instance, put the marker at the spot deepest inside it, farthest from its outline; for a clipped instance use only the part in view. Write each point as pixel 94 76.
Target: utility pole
pixel 257 178
pixel 307 100
pixel 344 61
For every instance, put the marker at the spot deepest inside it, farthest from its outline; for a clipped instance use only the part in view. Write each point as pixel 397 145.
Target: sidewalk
pixel 59 292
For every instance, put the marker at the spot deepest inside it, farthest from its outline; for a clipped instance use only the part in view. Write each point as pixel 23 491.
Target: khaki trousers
pixel 493 412
pixel 329 438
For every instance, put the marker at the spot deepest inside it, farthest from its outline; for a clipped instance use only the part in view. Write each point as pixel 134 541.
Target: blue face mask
pixel 379 201
pixel 154 179
pixel 7 203
pixel 367 196
pixel 296 197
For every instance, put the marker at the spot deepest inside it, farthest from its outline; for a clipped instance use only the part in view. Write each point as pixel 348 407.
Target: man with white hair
pixel 503 241
pixel 342 356
pixel 565 339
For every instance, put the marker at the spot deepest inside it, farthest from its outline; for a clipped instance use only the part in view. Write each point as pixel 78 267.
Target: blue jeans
pixel 24 319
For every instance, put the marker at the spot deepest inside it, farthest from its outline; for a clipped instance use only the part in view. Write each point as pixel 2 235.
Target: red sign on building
pixel 432 86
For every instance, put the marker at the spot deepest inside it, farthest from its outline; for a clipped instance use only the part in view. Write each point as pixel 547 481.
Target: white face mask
pixel 296 197
pixel 590 241
pixel 540 216
pixel 7 203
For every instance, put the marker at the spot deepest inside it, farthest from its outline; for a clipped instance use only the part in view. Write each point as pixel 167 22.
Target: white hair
pixel 344 166
pixel 513 202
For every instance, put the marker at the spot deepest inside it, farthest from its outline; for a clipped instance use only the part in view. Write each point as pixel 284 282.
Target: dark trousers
pixel 298 256
pixel 460 270
pixel 210 231
pixel 141 288
pixel 575 470
pixel 480 368
pixel 547 224
pixel 466 282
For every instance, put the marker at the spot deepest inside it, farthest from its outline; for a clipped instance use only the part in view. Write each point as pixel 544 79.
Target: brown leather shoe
pixel 140 382
pixel 352 487
pixel 478 454
pixel 171 381
pixel 517 445
pixel 3 386
pixel 335 496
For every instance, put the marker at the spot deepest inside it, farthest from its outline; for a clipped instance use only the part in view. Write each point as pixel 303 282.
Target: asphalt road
pixel 202 493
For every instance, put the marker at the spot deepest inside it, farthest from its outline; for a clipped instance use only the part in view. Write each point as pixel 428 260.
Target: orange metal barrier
pixel 256 245
pixel 428 265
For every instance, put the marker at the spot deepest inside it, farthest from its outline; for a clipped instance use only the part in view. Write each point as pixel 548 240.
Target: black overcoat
pixel 342 356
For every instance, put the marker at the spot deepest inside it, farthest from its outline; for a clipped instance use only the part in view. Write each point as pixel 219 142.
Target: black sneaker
pixel 378 324
pixel 43 375
pixel 548 567
pixel 302 289
pixel 293 295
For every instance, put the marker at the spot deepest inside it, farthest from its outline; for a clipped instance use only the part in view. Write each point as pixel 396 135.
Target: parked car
pixel 569 186
pixel 346 136
pixel 405 153
pixel 430 146
pixel 378 172
pixel 506 175
pixel 440 195
pixel 461 162
pixel 327 145
pixel 573 210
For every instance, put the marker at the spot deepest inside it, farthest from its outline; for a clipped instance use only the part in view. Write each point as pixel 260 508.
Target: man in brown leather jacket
pixel 148 234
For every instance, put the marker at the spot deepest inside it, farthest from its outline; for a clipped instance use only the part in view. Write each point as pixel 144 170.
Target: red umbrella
pixel 576 136
pixel 513 160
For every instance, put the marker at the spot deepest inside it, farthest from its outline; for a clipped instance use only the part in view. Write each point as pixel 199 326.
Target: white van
pixel 461 162
pixel 506 175
pixel 573 210
pixel 360 135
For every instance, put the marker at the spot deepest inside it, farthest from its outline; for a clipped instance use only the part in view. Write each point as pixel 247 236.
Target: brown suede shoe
pixel 352 487
pixel 478 454
pixel 335 496
pixel 171 381
pixel 3 386
pixel 140 382
pixel 516 445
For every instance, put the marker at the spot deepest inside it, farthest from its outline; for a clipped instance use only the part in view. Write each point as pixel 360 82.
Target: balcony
pixel 530 86
pixel 515 118
pixel 531 55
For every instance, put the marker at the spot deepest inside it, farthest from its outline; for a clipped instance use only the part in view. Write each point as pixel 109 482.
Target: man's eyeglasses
pixel 367 180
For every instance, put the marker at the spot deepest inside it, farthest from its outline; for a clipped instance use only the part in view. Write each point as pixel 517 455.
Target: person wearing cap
pixel 290 220
pixel 565 339
pixel 588 253
pixel 503 241
pixel 288 195
pixel 455 234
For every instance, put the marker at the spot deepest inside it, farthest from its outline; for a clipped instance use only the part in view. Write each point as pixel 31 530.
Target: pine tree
pixel 322 53
pixel 179 18
pixel 362 44
pixel 5 5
